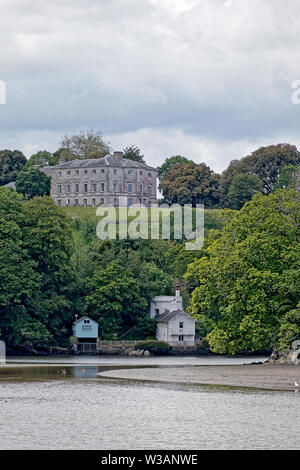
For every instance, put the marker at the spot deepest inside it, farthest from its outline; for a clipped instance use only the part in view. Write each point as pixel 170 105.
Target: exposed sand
pixel 261 376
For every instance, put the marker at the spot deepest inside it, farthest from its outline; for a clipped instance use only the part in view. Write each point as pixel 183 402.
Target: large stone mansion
pixel 111 180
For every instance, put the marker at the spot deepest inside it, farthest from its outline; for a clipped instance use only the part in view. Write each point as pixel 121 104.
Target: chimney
pixel 118 155
pixel 177 289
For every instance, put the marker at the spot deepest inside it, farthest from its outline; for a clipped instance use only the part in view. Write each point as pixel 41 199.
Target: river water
pixel 61 403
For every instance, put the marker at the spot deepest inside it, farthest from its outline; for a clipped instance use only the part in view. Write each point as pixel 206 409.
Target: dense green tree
pixel 287 177
pixel 114 300
pixel 242 189
pixel 33 182
pixel 191 183
pixel 249 276
pixel 168 164
pixel 11 163
pixel 42 158
pixel 84 145
pixel 133 153
pixel 266 163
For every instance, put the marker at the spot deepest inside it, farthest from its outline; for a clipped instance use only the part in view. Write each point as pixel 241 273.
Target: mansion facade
pixel 111 180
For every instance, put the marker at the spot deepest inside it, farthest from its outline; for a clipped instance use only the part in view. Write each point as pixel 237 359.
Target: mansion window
pixel 68 189
pixel 85 188
pixel 115 187
pixel 130 188
pixel 59 173
pixel 76 202
pixel 102 200
pixel 102 187
pixel 94 187
pixel 102 171
pixel 85 202
pixel 130 172
pixel 76 188
pixel 129 202
pixel 141 188
pixel 59 189
pixel 115 172
pixel 68 173
pixel 76 172
pixel 181 338
pixel 94 171
pixel 93 202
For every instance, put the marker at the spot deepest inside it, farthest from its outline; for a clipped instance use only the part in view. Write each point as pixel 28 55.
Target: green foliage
pixel 266 163
pixel 133 153
pixel 168 164
pixel 289 329
pixel 248 277
pixel 154 347
pixel 11 163
pixel 286 178
pixel 84 145
pixel 242 189
pixel 191 183
pixel 43 158
pixel 33 182
pixel 144 329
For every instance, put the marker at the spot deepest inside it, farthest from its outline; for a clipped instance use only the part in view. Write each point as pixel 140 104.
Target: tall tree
pixel 191 183
pixel 248 278
pixel 33 182
pixel 168 164
pixel 266 163
pixel 242 189
pixel 133 153
pixel 11 163
pixel 84 145
pixel 42 158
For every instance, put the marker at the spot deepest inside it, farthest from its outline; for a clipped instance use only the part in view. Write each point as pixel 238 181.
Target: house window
pixel 130 188
pixel 102 186
pixel 157 311
pixel 86 321
pixel 130 172
pixel 149 174
pixel 68 189
pixel 102 171
pixel 141 173
pixel 149 188
pixel 76 172
pixel 85 187
pixel 59 173
pixel 94 202
pixel 85 172
pixel 68 202
pixel 102 200
pixel 59 202
pixel 68 173
pixel 85 202
pixel 181 338
pixel 141 188
pixel 115 187
pixel 116 201
pixel 59 189
pixel 94 171
pixel 181 325
pixel 76 202
pixel 94 187
pixel 129 202
pixel 115 172
pixel 76 188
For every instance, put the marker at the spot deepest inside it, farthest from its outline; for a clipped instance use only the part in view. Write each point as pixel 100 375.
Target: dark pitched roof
pixel 167 315
pixel 108 161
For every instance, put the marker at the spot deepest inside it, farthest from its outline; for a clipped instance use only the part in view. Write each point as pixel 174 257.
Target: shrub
pixel 154 347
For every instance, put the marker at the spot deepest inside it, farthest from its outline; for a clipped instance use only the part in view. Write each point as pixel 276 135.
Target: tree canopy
pixel 11 163
pixel 191 183
pixel 248 278
pixel 168 164
pixel 84 145
pixel 133 153
pixel 33 182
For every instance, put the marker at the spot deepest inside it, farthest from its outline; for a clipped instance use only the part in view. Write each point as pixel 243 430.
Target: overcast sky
pixel 208 79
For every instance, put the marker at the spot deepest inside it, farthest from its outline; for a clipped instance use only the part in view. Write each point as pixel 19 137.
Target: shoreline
pixel 254 376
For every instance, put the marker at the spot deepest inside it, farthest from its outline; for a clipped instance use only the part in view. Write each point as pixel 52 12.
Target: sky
pixel 207 79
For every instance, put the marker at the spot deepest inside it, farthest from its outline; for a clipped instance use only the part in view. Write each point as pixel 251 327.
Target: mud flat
pixel 261 376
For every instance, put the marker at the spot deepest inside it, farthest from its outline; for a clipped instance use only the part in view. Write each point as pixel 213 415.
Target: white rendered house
pixel 160 303
pixel 176 328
